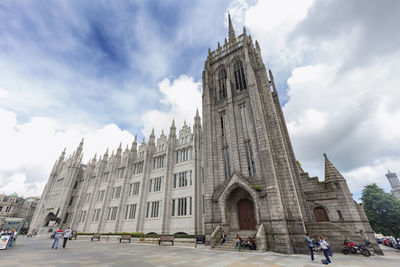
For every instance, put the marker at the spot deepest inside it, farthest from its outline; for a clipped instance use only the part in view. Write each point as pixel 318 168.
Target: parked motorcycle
pixel 350 247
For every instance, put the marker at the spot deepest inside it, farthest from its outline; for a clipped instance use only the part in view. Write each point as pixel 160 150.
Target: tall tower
pixel 394 183
pixel 250 171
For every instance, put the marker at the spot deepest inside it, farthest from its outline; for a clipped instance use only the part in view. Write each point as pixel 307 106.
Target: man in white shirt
pixel 67 235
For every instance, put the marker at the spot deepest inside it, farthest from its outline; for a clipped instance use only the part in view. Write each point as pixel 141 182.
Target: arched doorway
pixel 320 215
pixel 240 211
pixel 246 215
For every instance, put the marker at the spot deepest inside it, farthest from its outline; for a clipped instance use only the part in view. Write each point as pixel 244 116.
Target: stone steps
pixel 231 244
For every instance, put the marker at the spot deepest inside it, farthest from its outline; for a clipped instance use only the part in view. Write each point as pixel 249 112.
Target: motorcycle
pixel 350 247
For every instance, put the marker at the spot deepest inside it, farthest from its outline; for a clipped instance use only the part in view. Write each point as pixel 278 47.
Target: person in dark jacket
pixel 310 245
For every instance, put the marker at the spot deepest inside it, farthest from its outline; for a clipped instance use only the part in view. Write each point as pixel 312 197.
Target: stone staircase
pixel 230 245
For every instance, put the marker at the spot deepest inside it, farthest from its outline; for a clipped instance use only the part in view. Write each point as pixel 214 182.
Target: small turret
pixel 232 36
pixel 257 46
pixel 331 173
pixel 105 157
pixel 119 150
pixel 197 119
pixel 62 156
pixel 94 160
pixel 134 145
pixel 172 130
pixel 152 138
pixel 79 149
pixel 271 78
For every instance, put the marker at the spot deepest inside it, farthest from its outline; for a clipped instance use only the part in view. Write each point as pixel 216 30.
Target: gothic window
pixel 227 166
pixel 250 159
pixel 222 83
pixel 340 215
pixel 247 142
pixel 222 118
pixel 152 209
pixel 130 211
pixel 240 79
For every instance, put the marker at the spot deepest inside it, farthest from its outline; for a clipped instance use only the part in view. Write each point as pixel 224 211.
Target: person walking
pixel 310 245
pixel 324 246
pixel 223 238
pixel 67 235
pixel 13 237
pixel 239 242
pixel 57 237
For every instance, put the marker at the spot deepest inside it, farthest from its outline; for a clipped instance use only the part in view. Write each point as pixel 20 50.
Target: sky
pixel 110 70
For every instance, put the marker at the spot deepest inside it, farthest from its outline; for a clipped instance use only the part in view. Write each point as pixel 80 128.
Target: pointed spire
pixel 244 31
pixel 134 144
pixel 152 137
pixel 257 45
pixel 331 173
pixel 119 150
pixel 172 130
pixel 94 158
pixel 232 36
pixel 225 42
pixel 197 119
pixel 105 154
pixel 219 46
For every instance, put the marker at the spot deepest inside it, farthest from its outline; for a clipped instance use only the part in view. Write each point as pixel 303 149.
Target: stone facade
pixel 13 206
pixel 239 174
pixel 153 187
pixel 394 183
pixel 252 178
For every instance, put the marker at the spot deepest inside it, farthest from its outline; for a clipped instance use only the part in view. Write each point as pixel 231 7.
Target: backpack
pixel 325 262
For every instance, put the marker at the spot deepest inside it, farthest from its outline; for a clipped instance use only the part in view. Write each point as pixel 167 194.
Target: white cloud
pixel 344 86
pixel 179 101
pixel 30 149
pixel 271 22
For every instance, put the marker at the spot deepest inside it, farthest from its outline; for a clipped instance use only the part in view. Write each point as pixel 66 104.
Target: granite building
pixel 151 187
pixel 394 183
pixel 238 174
pixel 13 206
pixel 253 183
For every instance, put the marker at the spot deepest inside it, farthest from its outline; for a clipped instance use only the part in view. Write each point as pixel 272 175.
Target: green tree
pixel 382 209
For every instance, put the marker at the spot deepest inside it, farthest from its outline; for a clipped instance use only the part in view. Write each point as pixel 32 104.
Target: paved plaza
pixel 32 253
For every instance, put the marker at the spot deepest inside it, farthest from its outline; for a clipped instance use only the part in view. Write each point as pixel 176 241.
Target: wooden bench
pixel 166 238
pixel 96 236
pixel 125 237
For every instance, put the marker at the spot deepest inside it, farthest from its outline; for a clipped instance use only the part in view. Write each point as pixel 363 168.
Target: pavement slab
pixel 38 253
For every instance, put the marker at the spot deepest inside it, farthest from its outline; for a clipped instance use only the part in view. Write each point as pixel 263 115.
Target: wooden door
pixel 246 215
pixel 320 215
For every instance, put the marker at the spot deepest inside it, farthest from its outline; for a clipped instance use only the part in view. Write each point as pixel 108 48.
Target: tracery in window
pixel 240 79
pixel 222 83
